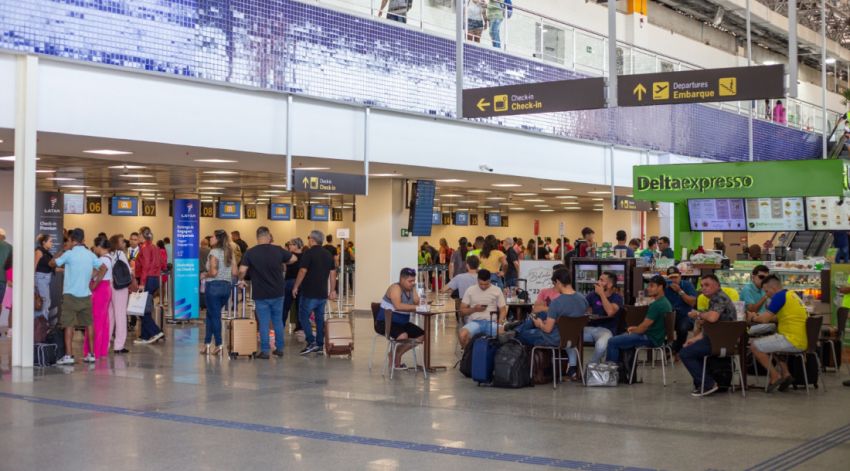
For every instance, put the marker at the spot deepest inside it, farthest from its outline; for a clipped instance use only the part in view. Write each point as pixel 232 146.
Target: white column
pixel 23 214
pixel 381 250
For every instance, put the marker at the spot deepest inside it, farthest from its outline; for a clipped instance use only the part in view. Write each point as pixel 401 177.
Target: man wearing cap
pixel 683 297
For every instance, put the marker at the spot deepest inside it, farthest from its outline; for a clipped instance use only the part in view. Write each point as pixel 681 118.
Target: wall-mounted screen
pixel 319 212
pixel 823 213
pixel 124 206
pixel 422 208
pixel 494 219
pixel 280 212
pixel 74 204
pixel 461 218
pixel 229 209
pixel 776 214
pixel 722 214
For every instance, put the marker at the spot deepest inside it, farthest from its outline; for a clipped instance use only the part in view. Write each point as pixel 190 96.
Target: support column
pixel 381 250
pixel 23 215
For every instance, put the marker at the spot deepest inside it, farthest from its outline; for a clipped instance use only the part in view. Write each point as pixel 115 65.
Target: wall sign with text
pixel 280 211
pixel 250 211
pixel 229 209
pixel 94 205
pixel 148 207
pixel 207 209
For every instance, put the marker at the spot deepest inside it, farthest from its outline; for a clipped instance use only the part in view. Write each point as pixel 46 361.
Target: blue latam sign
pixel 186 264
pixel 280 212
pixel 461 218
pixel 319 212
pixel 124 206
pixel 229 210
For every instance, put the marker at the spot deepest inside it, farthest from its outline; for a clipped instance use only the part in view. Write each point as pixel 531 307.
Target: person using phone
pixel 478 303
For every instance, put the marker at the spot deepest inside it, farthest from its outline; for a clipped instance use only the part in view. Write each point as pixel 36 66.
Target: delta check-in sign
pixel 529 98
pixel 702 86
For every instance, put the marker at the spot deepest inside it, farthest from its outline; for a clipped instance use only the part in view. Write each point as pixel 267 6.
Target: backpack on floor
pixel 795 367
pixel 483 354
pixel 511 366
pixel 720 370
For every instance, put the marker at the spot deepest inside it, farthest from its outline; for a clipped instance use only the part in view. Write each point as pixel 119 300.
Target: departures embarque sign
pixel 702 86
pixel 530 98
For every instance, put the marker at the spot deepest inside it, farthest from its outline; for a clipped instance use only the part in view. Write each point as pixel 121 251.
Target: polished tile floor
pixel 166 407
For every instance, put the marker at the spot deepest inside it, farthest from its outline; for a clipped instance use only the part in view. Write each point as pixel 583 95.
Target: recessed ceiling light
pixel 555 189
pixel 127 167
pixel 11 158
pixel 517 209
pixel 468 201
pixel 61 179
pixel 385 175
pixel 597 199
pixel 547 210
pixel 451 180
pixel 495 198
pixel 143 183
pixel 135 175
pixel 534 200
pixel 451 195
pixel 216 161
pixel 107 152
pixel 598 192
pixel 564 197
pixel 278 186
pixel 569 202
pixel 541 205
pixel 525 194
pixel 313 168
pixel 45 171
pixel 598 210
pixel 75 186
pixel 485 207
pixel 506 185
pixel 221 172
pixel 210 188
pixel 573 207
pixel 478 191
pixel 218 181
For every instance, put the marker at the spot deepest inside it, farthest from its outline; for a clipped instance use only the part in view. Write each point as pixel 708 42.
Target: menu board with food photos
pixel 776 214
pixel 825 213
pixel 721 214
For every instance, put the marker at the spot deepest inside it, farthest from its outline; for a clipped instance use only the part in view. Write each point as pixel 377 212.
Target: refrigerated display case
pixel 586 272
pixel 807 282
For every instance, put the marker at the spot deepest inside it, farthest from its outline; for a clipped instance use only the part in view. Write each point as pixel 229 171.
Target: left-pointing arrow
pixel 482 105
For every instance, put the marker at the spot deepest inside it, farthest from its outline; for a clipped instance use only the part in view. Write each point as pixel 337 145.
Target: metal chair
pixel 393 344
pixel 835 344
pixel 725 338
pixel 813 325
pixel 571 332
pixel 670 333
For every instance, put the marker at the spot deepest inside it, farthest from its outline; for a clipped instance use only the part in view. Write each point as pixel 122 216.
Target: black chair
pixel 571 332
pixel 670 333
pixel 836 343
pixel 813 325
pixel 725 338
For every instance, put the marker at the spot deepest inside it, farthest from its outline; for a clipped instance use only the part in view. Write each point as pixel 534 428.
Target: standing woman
pixel 148 269
pixel 101 288
pixel 530 250
pixel 296 247
pixel 120 297
pixel 43 272
pixel 221 268
pixel 458 260
pixel 495 261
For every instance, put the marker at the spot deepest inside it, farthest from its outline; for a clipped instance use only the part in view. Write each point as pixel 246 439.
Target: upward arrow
pixel 640 90
pixel 305 181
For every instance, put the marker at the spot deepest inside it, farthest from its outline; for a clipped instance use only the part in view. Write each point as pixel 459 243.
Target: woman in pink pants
pixel 100 300
pixel 120 297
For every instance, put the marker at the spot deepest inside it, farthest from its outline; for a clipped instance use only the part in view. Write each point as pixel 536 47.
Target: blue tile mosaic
pixel 288 46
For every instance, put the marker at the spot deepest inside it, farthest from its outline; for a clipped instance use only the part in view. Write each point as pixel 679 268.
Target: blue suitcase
pixel 483 353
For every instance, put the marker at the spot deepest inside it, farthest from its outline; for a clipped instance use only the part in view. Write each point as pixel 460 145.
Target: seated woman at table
pixel 788 310
pixel 401 298
pixel 546 295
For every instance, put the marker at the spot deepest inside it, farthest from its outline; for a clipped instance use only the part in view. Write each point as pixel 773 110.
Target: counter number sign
pixel 94 205
pixel 148 207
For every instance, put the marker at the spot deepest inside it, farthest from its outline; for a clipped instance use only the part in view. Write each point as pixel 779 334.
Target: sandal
pixel 216 350
pixel 785 383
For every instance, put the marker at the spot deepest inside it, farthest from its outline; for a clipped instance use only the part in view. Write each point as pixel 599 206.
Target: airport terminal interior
pixel 425 234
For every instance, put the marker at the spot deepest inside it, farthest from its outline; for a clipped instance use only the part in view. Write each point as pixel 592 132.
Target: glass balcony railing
pixel 535 36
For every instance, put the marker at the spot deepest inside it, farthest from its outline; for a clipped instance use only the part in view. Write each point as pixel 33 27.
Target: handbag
pixel 601 374
pixel 137 305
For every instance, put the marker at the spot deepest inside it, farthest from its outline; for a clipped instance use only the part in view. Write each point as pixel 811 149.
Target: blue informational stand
pixel 185 272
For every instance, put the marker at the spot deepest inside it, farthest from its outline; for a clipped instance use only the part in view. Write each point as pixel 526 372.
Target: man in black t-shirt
pixel 331 248
pixel 316 272
pixel 512 272
pixel 263 264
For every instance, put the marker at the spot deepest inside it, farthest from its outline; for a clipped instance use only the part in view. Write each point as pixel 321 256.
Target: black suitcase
pixel 627 358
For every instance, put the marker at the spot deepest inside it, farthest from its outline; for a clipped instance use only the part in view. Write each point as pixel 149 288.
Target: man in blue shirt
pixel 621 244
pixel 753 294
pixel 842 246
pixel 683 297
pixel 81 265
pixel 605 306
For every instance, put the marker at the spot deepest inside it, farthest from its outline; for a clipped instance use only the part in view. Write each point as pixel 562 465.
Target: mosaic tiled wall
pixel 289 46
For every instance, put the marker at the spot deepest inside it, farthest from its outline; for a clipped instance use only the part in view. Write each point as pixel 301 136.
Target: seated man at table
pixel 542 328
pixel 720 308
pixel 652 331
pixel 546 295
pixel 463 281
pixel 402 299
pixel 788 310
pixel 756 300
pixel 478 303
pixel 605 304
pixel 683 297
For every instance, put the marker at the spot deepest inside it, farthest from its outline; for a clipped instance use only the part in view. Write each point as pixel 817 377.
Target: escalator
pixel 837 141
pixel 811 243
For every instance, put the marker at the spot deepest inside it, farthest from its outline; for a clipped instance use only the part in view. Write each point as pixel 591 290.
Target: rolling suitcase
pixel 340 337
pixel 241 333
pixel 483 356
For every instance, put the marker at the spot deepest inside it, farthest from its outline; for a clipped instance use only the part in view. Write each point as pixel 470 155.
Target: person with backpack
pixel 397 10
pixel 43 272
pixel 122 283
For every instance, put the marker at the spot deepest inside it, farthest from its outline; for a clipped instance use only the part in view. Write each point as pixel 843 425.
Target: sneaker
pixel 317 349
pixel 278 353
pixel 156 337
pixel 141 342
pixel 66 360
pixel 261 355
pixel 89 358
pixel 308 349
pixel 708 392
pixel 512 325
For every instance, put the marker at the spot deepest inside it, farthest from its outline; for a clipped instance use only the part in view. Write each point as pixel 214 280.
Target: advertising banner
pixel 49 217
pixel 186 264
pixel 538 275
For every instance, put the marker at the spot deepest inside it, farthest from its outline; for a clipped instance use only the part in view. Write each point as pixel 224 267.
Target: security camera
pixel 485 168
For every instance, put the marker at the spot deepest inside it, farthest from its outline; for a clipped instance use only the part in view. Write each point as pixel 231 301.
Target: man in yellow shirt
pixel 788 310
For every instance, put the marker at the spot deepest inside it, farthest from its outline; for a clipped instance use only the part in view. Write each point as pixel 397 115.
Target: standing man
pixel 81 265
pixel 5 254
pixel 664 247
pixel 585 246
pixel 720 308
pixel 149 269
pixel 316 272
pixel 842 246
pixel 683 297
pixel 265 262
pixel 512 258
pixel 237 239
pixel 621 244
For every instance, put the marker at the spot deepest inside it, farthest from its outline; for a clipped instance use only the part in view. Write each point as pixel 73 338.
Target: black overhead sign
pixel 529 98
pixel 324 182
pixel 630 204
pixel 701 86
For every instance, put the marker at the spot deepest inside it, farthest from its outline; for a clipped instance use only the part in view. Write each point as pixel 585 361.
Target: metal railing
pixel 535 36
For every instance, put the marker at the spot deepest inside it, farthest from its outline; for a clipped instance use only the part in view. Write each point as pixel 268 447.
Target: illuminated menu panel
pixel 717 214
pixel 776 214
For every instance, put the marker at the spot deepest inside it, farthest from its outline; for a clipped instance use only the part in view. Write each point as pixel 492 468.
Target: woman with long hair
pixel 530 250
pixel 120 297
pixel 458 260
pixel 101 288
pixel 221 268
pixel 43 272
pixel 494 260
pixel 296 247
